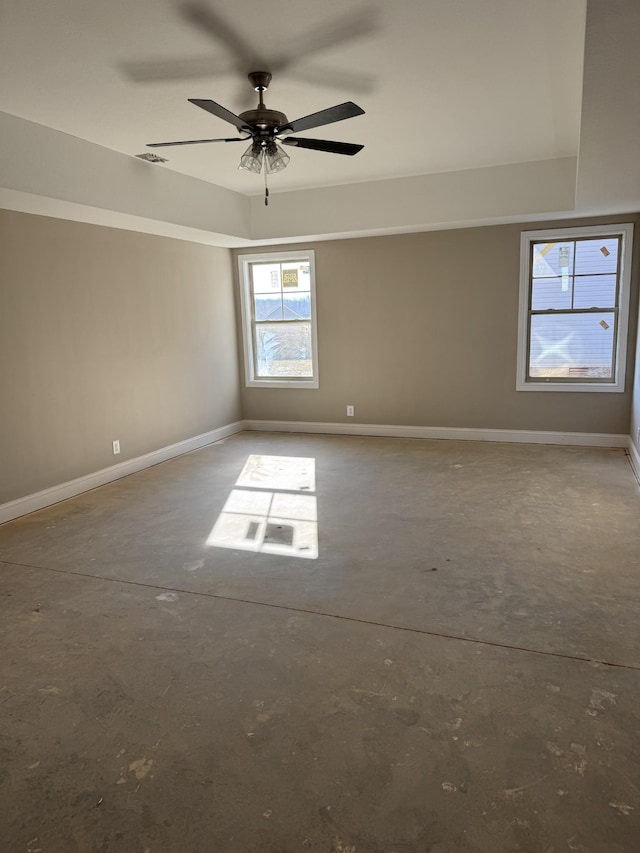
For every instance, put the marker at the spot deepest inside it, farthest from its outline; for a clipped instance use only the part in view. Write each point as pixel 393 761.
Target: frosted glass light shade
pixel 277 158
pixel 252 158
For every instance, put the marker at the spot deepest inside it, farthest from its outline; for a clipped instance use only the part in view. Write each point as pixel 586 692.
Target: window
pixel 574 305
pixel 277 294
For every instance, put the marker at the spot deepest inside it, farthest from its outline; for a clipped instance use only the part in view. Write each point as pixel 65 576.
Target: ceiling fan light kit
pixel 277 158
pixel 251 160
pixel 268 154
pixel 266 128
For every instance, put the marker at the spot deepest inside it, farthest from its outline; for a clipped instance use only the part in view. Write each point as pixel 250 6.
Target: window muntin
pixel 279 321
pixel 574 302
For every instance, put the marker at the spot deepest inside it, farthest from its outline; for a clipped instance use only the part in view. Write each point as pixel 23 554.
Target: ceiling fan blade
pixel 220 112
pixel 195 141
pixel 323 145
pixel 326 36
pixel 328 116
pixel 211 22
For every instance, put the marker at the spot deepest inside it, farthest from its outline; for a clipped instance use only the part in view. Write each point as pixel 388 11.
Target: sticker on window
pixel 289 278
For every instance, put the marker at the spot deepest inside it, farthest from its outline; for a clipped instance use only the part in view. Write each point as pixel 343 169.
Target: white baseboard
pixel 634 458
pixel 521 436
pixel 39 500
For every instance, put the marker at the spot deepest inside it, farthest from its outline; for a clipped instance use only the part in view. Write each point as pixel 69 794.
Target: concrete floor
pixel 457 672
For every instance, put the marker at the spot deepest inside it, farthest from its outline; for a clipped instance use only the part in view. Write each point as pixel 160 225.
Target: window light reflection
pixel 291 473
pixel 268 514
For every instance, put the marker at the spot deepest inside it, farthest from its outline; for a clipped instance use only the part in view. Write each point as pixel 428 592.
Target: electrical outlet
pixel 350 411
pixel 116 447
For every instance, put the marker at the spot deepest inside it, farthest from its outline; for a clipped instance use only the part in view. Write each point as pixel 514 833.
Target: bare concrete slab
pixel 458 670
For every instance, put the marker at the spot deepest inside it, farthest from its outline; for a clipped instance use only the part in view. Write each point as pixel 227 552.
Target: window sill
pixel 591 387
pixel 282 383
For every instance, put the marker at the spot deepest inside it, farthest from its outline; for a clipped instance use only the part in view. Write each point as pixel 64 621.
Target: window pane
pixel 267 307
pixel 551 293
pixel 265 278
pixel 296 276
pixel 284 350
pixel 572 346
pixel 297 306
pixel 599 255
pixel 594 291
pixel 267 298
pixel 553 259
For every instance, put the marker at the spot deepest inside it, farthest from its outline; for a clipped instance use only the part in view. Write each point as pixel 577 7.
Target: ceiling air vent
pixel 151 158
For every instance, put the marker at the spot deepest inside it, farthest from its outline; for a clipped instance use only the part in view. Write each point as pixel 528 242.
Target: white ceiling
pixel 447 85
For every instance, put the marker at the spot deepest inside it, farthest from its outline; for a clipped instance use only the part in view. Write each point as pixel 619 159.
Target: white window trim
pixel 528 237
pixel 245 307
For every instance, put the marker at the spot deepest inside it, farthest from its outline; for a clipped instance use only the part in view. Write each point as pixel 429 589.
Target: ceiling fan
pixel 267 128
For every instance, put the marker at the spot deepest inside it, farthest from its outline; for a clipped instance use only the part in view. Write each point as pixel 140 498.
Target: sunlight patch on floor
pixel 268 514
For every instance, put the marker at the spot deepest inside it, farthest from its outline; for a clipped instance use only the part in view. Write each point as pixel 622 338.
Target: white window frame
pixel 246 307
pixel 625 231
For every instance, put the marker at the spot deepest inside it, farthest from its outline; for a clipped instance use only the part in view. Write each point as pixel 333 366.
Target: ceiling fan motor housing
pixel 265 120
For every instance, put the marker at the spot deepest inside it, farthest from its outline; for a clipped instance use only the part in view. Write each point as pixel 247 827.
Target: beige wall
pixel 107 334
pixel 421 330
pixel 110 334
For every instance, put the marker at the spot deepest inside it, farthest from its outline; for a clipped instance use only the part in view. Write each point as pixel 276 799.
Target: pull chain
pixel 266 188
